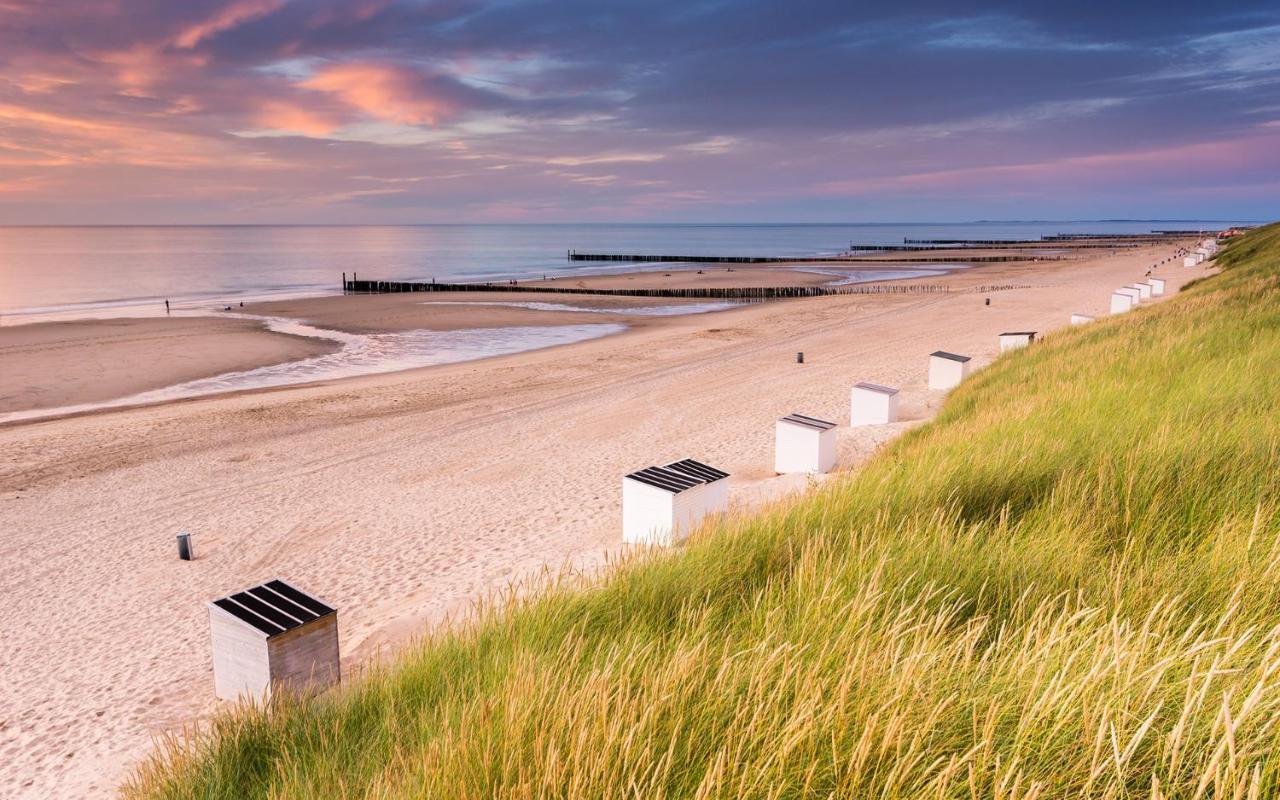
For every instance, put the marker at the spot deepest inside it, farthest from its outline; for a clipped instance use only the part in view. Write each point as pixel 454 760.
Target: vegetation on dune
pixel 1067 585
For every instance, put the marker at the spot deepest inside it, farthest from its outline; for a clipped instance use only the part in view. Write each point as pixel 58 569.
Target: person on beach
pixel 166 306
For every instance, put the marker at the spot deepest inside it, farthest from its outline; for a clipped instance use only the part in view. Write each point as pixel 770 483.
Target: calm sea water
pixel 87 270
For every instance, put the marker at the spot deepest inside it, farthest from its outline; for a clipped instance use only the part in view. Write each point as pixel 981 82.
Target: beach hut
pixel 1012 340
pixel 872 404
pixel 1189 261
pixel 946 370
pixel 1144 290
pixel 270 637
pixel 1080 319
pixel 660 505
pixel 1132 292
pixel 803 444
pixel 1157 286
pixel 1121 303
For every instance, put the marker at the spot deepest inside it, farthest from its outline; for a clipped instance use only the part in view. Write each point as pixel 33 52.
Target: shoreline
pixel 335 314
pixel 401 498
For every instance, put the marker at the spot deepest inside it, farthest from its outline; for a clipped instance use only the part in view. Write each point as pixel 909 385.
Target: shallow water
pixel 361 354
pixel 78 271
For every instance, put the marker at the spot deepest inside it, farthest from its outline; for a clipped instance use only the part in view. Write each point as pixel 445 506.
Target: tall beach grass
pixel 1067 585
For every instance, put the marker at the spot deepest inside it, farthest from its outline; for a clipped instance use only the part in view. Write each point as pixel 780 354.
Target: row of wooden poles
pixel 645 259
pixel 707 292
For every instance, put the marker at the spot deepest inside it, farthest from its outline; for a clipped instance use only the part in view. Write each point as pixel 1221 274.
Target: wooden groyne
pixel 744 293
pixel 1047 241
pixel 1004 245
pixel 664 259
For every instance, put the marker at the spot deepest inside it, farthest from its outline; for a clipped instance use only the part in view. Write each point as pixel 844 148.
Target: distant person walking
pixel 166 306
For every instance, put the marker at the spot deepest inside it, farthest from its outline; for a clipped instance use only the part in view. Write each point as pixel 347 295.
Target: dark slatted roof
pixel 665 479
pixel 1018 333
pixel 875 387
pixel 273 607
pixel 950 356
pixel 808 422
pixel 696 469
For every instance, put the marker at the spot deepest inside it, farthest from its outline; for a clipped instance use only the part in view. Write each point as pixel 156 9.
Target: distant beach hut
pixel 270 637
pixel 1189 261
pixel 1132 292
pixel 1144 290
pixel 1121 303
pixel 946 370
pixel 804 444
pixel 1012 340
pixel 872 404
pixel 660 505
pixel 1157 286
pixel 1080 319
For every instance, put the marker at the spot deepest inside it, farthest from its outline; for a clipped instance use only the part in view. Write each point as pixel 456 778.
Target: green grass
pixel 1067 585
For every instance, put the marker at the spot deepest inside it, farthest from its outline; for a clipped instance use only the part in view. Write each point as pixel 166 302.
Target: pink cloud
pixel 386 92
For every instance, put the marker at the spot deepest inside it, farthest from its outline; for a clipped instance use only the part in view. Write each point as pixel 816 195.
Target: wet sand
pixel 48 365
pixel 400 498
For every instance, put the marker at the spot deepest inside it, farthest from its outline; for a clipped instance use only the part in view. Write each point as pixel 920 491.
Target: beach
pixel 401 498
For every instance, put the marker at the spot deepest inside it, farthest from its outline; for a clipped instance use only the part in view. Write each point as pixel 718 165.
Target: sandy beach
pixel 400 498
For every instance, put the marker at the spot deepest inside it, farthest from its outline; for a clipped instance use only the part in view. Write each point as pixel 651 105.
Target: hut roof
pixel 273 607
pixel 698 470
pixel 875 387
pixel 666 479
pixel 808 422
pixel 1018 333
pixel 949 356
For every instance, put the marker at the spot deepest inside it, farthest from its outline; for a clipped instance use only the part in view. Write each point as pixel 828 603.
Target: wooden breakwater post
pixel 740 294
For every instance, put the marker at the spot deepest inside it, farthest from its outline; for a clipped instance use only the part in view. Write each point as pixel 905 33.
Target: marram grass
pixel 1066 586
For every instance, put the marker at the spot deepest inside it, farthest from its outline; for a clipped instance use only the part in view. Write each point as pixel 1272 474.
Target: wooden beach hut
pixel 1157 286
pixel 803 444
pixel 1121 302
pixel 872 404
pixel 660 505
pixel 1189 261
pixel 946 370
pixel 1012 340
pixel 1144 290
pixel 270 637
pixel 1080 319
pixel 1132 292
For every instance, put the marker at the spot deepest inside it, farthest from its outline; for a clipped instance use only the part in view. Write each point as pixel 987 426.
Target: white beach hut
pixel 872 404
pixel 803 444
pixel 1121 303
pixel 1132 292
pixel 1189 261
pixel 1012 340
pixel 1144 290
pixel 946 370
pixel 271 637
pixel 660 505
pixel 1080 319
pixel 1157 286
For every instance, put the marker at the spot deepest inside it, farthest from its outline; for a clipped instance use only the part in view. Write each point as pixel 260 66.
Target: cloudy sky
pixel 329 111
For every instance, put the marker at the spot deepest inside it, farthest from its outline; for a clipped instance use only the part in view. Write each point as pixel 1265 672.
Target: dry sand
pixel 400 498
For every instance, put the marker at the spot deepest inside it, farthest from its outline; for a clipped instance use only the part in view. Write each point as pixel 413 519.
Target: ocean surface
pixel 65 272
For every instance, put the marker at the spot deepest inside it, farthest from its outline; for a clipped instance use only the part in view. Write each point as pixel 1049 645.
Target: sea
pixel 73 272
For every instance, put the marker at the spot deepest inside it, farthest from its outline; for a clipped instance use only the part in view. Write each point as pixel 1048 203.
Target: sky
pixel 415 111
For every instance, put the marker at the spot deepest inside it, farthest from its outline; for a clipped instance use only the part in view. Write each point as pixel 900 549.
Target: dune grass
pixel 1067 585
